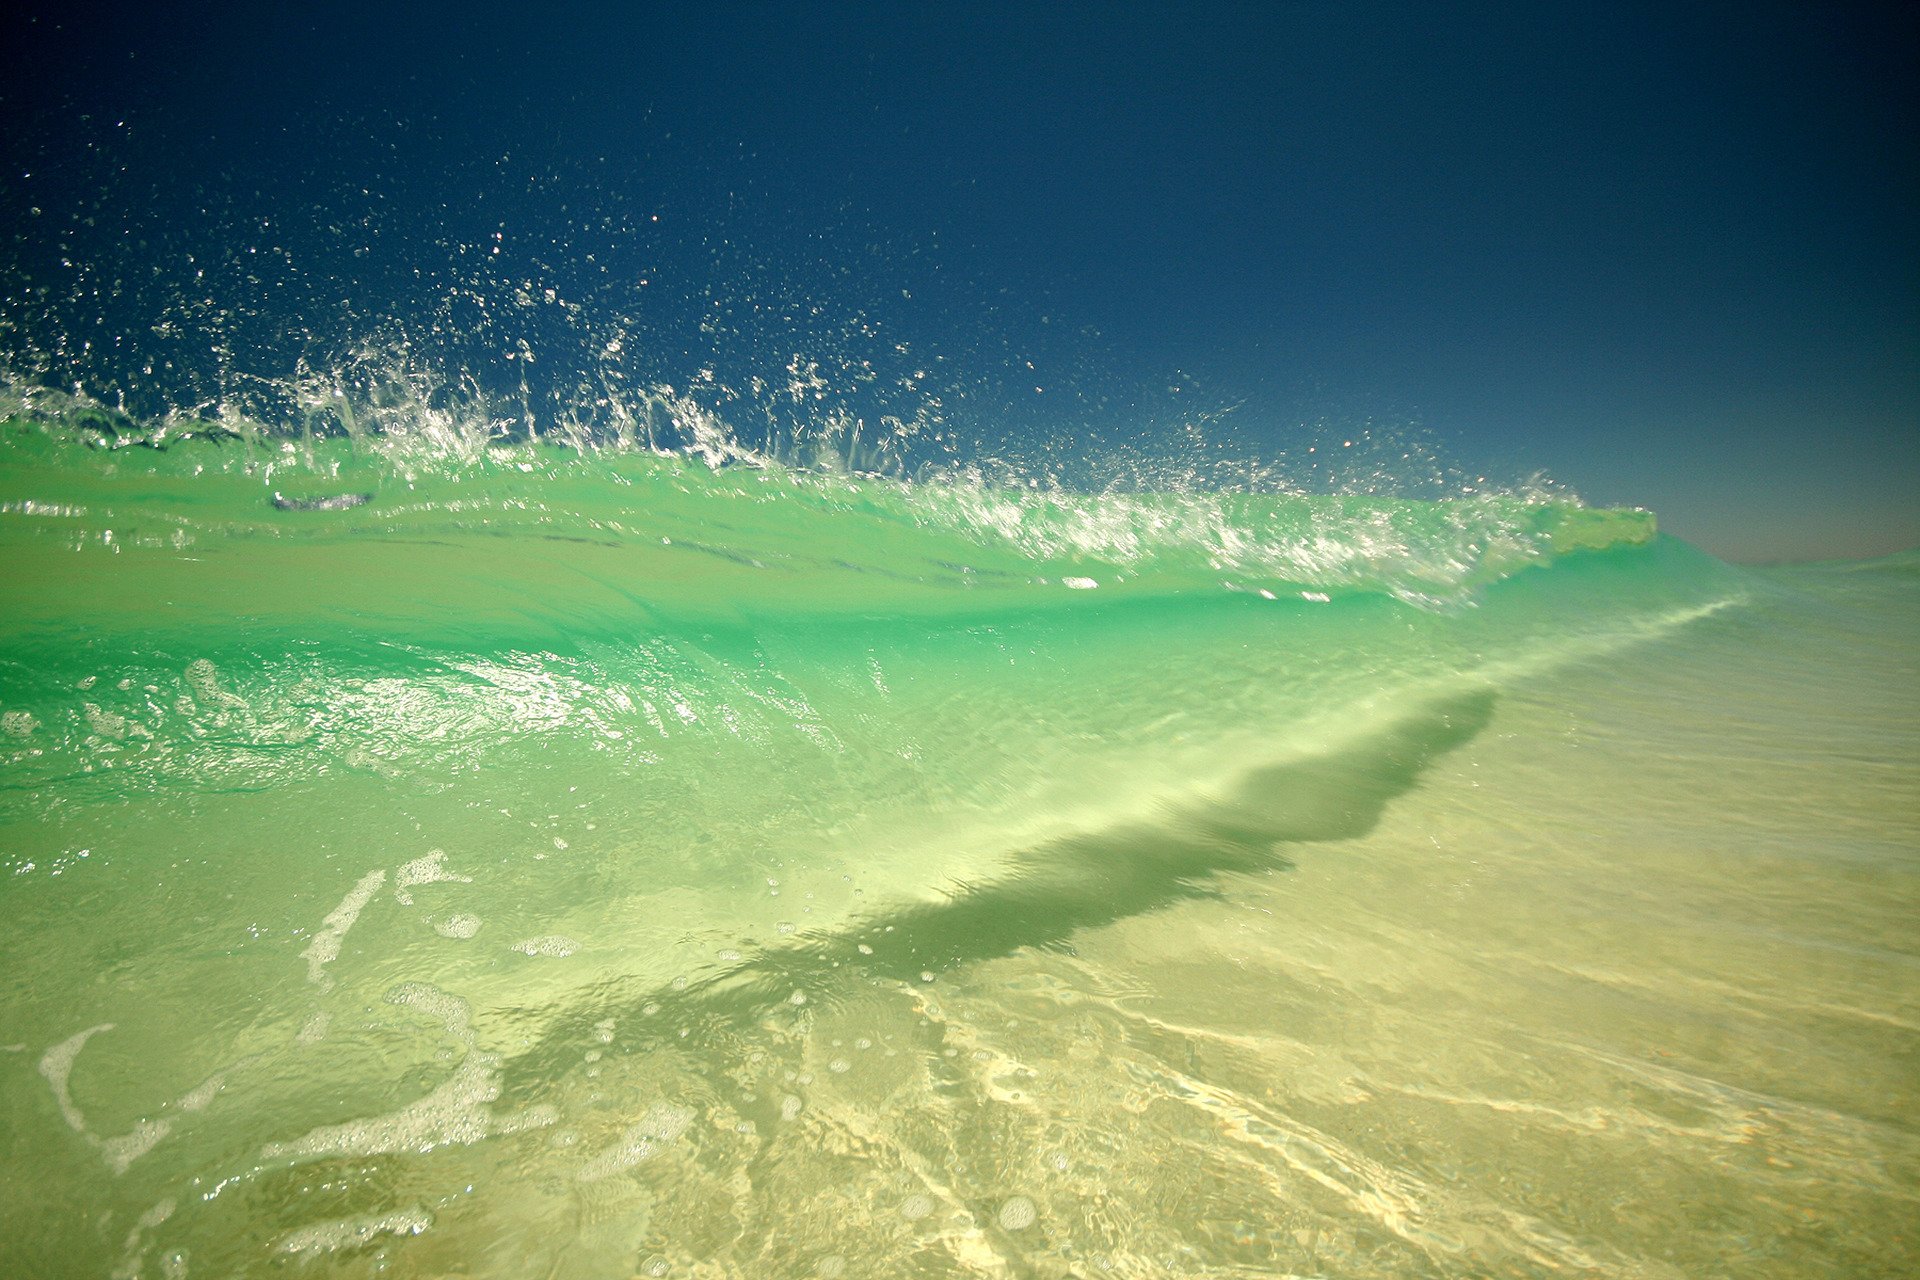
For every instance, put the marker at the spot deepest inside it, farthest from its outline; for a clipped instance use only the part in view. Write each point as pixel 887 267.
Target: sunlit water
pixel 561 866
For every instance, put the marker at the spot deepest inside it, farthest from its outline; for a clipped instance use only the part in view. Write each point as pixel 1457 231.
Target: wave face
pixel 201 611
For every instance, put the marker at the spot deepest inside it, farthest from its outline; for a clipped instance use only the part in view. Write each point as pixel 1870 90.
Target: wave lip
pixel 807 535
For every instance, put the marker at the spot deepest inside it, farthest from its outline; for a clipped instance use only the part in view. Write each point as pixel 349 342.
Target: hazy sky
pixel 1665 253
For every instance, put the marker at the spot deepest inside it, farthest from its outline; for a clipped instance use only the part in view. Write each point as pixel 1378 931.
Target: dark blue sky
pixel 1664 253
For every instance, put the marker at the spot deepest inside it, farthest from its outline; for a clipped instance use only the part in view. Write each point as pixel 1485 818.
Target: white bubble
pixel 427 870
pixel 1018 1214
pixel 549 945
pixel 460 926
pixel 352 1233
pixel 916 1207
pixel 324 948
pixel 106 723
pixel 457 1113
pixel 453 1012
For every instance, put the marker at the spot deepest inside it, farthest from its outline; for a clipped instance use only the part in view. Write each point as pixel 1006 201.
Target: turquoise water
pixel 437 856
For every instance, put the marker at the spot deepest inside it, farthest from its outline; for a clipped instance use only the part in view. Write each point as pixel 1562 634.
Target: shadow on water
pixel 1051 891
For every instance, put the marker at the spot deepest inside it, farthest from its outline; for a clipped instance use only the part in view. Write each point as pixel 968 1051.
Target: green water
pixel 598 866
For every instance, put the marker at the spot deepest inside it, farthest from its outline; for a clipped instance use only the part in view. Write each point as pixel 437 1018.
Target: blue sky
pixel 1665 254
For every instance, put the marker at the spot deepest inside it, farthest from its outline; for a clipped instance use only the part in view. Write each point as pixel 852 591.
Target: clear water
pixel 597 864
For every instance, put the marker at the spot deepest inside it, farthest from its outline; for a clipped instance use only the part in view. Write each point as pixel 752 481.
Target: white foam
pixel 18 724
pixel 460 926
pixel 352 1233
pixel 109 725
pixel 134 1252
pixel 56 1064
pixel 1018 1214
pixel 453 1012
pixel 427 870
pixel 314 1030
pixel 549 945
pixel 324 949
pixel 122 1151
pixel 455 1114
pixel 204 678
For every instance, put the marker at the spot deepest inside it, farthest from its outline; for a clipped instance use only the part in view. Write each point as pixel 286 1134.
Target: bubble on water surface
pixel 204 679
pixel 1018 1214
pixel 915 1207
pixel 427 870
pixel 549 945
pixel 351 1233
pixel 57 1066
pixel 459 926
pixel 324 948
pixel 453 1012
pixel 457 1113
pixel 109 725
